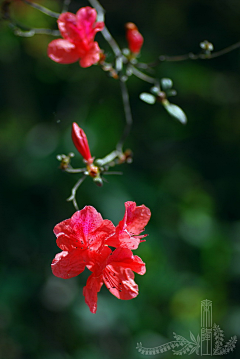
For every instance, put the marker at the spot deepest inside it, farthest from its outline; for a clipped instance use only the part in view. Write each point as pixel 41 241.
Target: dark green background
pixel 187 175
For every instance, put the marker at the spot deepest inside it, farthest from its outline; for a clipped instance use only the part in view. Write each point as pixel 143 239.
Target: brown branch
pixel 191 56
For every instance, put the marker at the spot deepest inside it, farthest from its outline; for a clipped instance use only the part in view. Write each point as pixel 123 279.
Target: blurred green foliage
pixel 187 175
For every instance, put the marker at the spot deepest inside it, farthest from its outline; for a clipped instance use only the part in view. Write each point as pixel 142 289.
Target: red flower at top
pixel 134 38
pixel 78 32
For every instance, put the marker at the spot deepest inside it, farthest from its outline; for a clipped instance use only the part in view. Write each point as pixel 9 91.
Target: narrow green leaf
pixel 176 112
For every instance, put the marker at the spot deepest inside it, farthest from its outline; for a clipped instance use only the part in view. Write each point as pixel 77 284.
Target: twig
pixel 42 9
pixel 191 56
pixel 107 159
pixel 143 76
pixel 74 190
pixel 128 114
pixel 32 32
pixel 75 170
pixel 106 34
pixel 66 4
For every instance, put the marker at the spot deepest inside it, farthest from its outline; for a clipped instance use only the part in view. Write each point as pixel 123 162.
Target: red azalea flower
pixel 134 38
pixel 129 228
pixel 81 143
pixel 78 32
pixel 115 269
pixel 78 237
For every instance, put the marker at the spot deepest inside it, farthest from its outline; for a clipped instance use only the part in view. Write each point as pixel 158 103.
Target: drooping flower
pixel 78 32
pixel 115 270
pixel 79 237
pixel 85 239
pixel 129 228
pixel 134 38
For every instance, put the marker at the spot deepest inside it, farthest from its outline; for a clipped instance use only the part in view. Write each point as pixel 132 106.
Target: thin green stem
pixel 143 76
pixel 43 9
pixel 191 56
pixel 107 36
pixel 107 159
pixel 75 170
pixel 66 4
pixel 128 115
pixel 32 32
pixel 74 190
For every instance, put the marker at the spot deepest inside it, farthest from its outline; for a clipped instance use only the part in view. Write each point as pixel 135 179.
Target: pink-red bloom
pixel 85 239
pixel 78 32
pixel 81 143
pixel 134 38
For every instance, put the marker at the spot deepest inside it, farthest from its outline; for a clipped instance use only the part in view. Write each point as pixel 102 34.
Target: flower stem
pixel 128 115
pixel 74 190
pixel 191 56
pixel 42 9
pixel 143 76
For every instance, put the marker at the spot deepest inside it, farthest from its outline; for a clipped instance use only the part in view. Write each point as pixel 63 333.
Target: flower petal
pixel 135 218
pixel 123 239
pixel 87 27
pixel 120 282
pixel 91 57
pixel 69 264
pixel 63 51
pixel 90 291
pixel 124 257
pixel 67 24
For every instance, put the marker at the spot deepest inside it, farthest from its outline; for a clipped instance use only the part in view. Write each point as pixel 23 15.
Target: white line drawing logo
pixel 210 334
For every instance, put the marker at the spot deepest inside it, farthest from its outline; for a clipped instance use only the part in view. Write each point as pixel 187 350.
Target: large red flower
pixel 79 237
pixel 129 228
pixel 115 269
pixel 78 32
pixel 85 239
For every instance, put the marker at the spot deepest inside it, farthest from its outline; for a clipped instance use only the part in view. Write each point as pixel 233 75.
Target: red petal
pixel 123 239
pixel 120 282
pixel 63 51
pixel 136 217
pixel 86 221
pixel 101 234
pixel 87 27
pixel 66 237
pixel 90 291
pixel 98 260
pixel 67 24
pixel 69 264
pixel 124 258
pixel 91 57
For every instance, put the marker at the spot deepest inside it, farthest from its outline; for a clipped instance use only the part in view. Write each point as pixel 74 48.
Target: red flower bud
pixel 81 143
pixel 134 38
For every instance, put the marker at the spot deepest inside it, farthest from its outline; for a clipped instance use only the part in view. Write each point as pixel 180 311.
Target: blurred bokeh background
pixel 189 176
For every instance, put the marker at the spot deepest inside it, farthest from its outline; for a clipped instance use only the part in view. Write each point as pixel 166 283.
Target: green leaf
pixel 176 112
pixel 148 98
